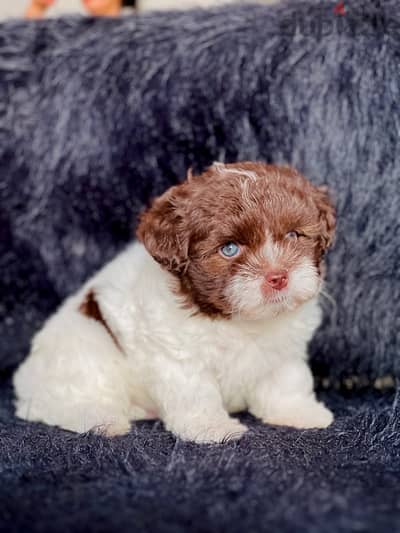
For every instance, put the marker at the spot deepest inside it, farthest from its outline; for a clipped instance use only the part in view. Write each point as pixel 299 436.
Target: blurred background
pixel 18 8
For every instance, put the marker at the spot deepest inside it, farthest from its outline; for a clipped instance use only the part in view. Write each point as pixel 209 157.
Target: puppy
pixel 209 314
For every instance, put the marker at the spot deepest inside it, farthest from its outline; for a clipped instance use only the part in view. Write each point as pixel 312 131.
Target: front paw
pixel 114 428
pixel 211 431
pixel 303 414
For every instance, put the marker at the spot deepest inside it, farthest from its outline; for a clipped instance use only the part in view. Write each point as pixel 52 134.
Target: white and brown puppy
pixel 210 315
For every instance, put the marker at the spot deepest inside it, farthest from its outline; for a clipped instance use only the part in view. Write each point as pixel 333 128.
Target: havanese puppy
pixel 209 314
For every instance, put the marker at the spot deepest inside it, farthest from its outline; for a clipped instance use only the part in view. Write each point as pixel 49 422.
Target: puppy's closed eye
pixel 293 235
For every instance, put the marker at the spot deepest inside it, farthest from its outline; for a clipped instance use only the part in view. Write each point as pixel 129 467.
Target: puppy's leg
pixel 286 398
pixel 190 406
pixel 75 378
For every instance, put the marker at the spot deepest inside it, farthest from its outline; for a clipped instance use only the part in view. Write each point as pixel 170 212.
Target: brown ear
pixel 327 216
pixel 163 231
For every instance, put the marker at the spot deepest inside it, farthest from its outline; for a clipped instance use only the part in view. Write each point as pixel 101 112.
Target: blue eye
pixel 230 249
pixel 292 234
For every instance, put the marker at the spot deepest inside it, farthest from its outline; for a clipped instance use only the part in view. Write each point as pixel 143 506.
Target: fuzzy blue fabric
pixel 98 116
pixel 341 480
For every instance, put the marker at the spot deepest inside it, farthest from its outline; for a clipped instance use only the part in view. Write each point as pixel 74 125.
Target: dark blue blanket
pixel 340 480
pixel 98 116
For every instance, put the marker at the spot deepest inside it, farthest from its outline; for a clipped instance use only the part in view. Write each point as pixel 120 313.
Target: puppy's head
pixel 242 239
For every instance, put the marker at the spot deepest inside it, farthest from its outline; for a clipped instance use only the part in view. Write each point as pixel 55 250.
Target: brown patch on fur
pixel 90 308
pixel 244 203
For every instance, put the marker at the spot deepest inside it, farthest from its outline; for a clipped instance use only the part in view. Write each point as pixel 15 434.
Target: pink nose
pixel 278 280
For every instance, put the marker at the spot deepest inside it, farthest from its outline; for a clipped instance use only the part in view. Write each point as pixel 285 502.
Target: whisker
pixel 329 298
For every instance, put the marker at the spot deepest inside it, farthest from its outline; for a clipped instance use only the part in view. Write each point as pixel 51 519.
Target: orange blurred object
pixel 110 8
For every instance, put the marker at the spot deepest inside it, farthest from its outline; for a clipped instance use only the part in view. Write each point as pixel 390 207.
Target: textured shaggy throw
pixel 98 116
